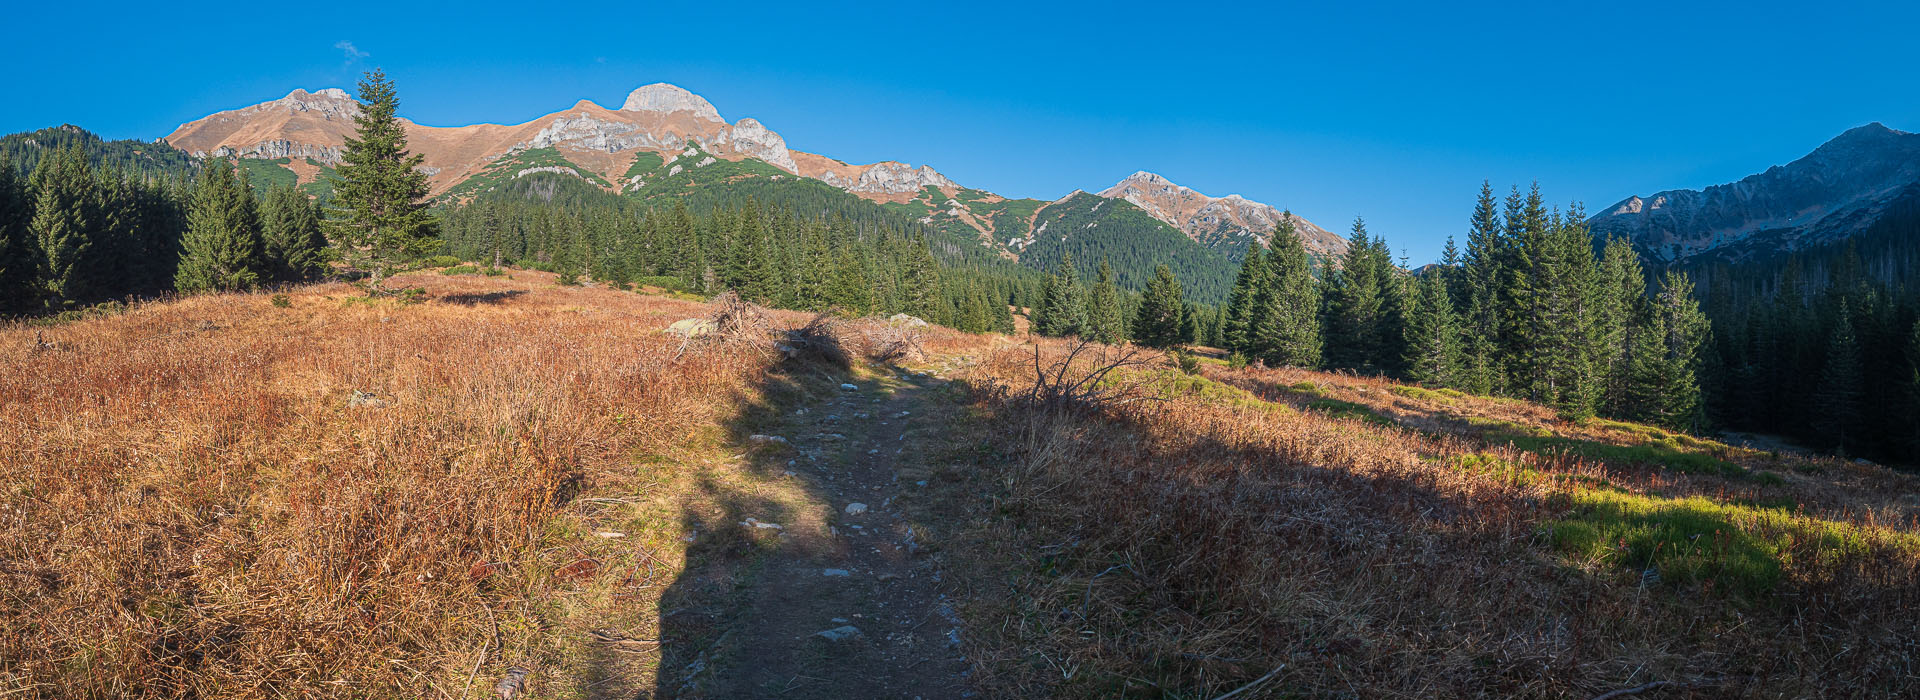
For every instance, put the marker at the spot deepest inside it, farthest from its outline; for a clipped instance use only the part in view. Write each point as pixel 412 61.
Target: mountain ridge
pixel 1832 192
pixel 599 143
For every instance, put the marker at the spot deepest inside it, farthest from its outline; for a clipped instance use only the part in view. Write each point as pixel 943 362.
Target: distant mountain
pixel 664 141
pixel 1838 190
pixel 1215 221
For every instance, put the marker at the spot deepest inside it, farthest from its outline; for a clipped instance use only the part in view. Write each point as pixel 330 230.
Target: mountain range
pixel 666 140
pixel 1838 190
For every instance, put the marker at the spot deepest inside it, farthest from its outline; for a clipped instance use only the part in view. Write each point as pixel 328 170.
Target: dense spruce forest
pixel 1822 346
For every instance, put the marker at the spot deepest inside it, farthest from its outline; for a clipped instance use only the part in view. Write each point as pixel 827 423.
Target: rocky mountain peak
pixel 665 98
pixel 1215 220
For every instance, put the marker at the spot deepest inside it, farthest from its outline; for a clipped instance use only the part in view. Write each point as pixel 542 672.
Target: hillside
pixel 665 142
pixel 26 149
pixel 518 482
pixel 1837 191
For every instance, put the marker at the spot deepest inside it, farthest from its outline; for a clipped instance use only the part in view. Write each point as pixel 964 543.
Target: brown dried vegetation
pixel 1329 535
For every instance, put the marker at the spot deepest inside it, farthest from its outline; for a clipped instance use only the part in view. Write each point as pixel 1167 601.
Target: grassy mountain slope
pixel 1093 228
pixel 510 166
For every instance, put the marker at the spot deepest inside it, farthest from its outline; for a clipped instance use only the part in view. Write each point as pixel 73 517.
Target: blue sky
pixel 1394 111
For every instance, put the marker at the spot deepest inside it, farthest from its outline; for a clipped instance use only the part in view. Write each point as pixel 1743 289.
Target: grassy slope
pixel 239 522
pixel 503 170
pixel 1371 539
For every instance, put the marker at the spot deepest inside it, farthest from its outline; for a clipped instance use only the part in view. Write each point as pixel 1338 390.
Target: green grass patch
pixel 1660 454
pixel 1496 425
pixel 1739 549
pixel 1425 394
pixel 268 172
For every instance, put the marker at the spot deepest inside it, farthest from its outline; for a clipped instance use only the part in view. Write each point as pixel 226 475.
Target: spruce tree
pixel 1668 385
pixel 379 217
pixel 222 249
pixel 1285 325
pixel 1836 402
pixel 20 284
pixel 1105 323
pixel 295 247
pixel 921 281
pixel 1063 312
pixel 1241 300
pixel 1433 334
pixel 1620 312
pixel 64 214
pixel 1353 304
pixel 1162 310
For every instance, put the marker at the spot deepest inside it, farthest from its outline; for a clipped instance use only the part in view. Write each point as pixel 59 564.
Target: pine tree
pixel 222 249
pixel 380 216
pixel 921 281
pixel 1433 334
pixel 64 212
pixel 1104 316
pixel 1161 311
pixel 1285 324
pixel 295 247
pixel 20 283
pixel 1478 285
pixel 1620 312
pixel 1837 400
pixel 1519 299
pixel 1063 312
pixel 1241 300
pixel 1353 304
pixel 1667 384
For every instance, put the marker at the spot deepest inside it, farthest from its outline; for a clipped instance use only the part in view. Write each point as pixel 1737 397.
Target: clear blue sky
pixel 1393 111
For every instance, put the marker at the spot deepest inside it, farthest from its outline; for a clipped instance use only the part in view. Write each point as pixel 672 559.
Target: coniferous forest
pixel 1822 346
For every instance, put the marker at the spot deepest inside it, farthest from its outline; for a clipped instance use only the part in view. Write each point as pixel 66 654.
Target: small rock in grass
pixel 610 535
pixel 766 440
pixel 850 387
pixel 856 508
pixel 831 573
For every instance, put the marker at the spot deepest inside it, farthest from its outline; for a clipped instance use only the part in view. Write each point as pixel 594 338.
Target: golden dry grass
pixel 195 507
pixel 1190 545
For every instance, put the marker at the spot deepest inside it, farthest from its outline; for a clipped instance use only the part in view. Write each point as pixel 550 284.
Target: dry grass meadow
pixel 225 497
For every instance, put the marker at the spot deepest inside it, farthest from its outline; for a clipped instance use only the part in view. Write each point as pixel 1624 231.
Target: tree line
pixel 73 234
pixel 1528 309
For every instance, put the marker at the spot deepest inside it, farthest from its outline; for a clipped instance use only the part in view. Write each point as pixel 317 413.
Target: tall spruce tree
pixel 379 217
pixel 1162 311
pixel 1836 401
pixel 1354 304
pixel 222 249
pixel 65 215
pixel 1105 319
pixel 1433 334
pixel 1285 324
pixel 1241 300
pixel 20 286
pixel 1063 310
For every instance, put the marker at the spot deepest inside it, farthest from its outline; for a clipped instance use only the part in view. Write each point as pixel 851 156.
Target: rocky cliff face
pixel 1217 220
pixel 1835 191
pixel 893 177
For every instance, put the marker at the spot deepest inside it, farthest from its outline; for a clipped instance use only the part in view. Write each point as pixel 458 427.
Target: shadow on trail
pixel 778 558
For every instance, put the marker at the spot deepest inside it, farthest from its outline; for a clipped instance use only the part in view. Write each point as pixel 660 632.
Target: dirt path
pixel 849 602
